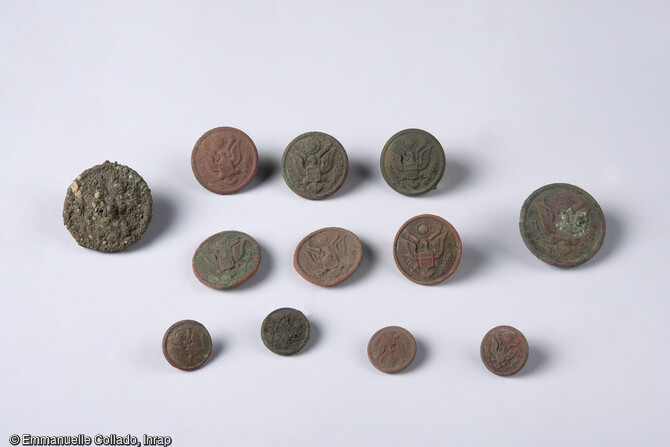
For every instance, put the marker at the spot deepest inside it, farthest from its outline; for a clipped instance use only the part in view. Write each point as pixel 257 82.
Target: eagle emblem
pixel 391 349
pixel 325 255
pixel 409 158
pixel 310 161
pixel 424 249
pixel 224 255
pixel 223 159
pixel 503 349
pixel 184 343
pixel 563 218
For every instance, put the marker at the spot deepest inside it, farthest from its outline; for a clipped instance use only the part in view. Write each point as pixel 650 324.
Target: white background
pixel 519 93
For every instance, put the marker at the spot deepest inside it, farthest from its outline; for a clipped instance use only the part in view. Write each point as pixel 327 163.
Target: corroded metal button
pixel 412 162
pixel 328 256
pixel 285 331
pixel 391 349
pixel 226 260
pixel 224 160
pixel 107 208
pixel 504 350
pixel 187 345
pixel 314 165
pixel 562 225
pixel 427 249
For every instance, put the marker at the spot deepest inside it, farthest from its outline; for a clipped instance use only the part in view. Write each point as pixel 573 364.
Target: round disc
pixel 226 260
pixel 504 350
pixel 107 208
pixel 562 225
pixel 314 165
pixel 392 349
pixel 285 331
pixel 412 162
pixel 427 249
pixel 224 160
pixel 187 345
pixel 328 256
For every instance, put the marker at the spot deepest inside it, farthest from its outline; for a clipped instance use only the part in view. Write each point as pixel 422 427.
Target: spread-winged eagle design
pixel 185 344
pixel 504 349
pixel 409 158
pixel 563 218
pixel 223 160
pixel 423 250
pixel 224 255
pixel 310 162
pixel 390 349
pixel 325 255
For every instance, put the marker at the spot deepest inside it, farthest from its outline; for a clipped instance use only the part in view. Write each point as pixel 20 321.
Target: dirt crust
pixel 108 207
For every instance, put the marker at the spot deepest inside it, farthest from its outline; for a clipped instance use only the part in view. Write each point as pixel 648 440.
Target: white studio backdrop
pixel 520 94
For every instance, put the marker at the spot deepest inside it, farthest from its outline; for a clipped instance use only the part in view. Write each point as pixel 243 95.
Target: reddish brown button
pixel 427 249
pixel 187 345
pixel 328 256
pixel 392 349
pixel 224 160
pixel 504 350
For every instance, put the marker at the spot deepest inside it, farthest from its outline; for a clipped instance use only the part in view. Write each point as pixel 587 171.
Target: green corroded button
pixel 314 165
pixel 562 225
pixel 285 331
pixel 226 260
pixel 412 162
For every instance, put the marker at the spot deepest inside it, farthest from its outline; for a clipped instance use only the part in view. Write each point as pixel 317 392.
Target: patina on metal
pixel 107 208
pixel 562 225
pixel 427 249
pixel 285 331
pixel 328 256
pixel 224 160
pixel 314 165
pixel 187 345
pixel 412 162
pixel 226 260
pixel 504 350
pixel 392 349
